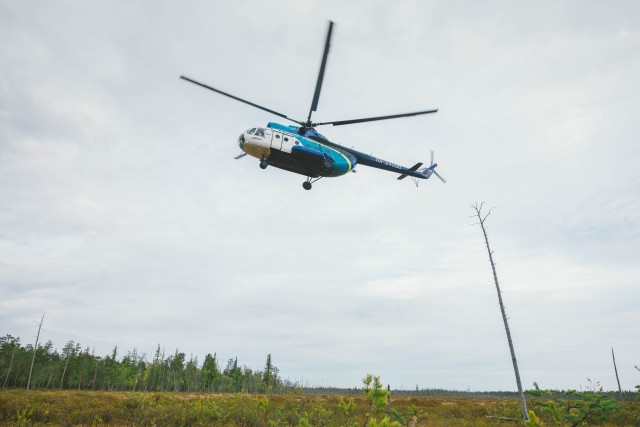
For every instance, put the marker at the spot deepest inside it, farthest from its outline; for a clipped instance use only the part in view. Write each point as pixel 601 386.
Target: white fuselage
pixel 258 142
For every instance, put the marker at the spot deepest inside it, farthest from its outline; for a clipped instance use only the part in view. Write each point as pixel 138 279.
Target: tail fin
pixel 412 168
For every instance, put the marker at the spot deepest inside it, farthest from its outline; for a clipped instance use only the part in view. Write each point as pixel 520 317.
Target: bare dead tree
pixel 388 397
pixel 615 368
pixel 64 371
pixel 35 349
pixel 6 378
pixel 481 221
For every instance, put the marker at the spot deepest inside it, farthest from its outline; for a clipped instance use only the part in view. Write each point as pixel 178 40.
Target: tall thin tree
pixel 6 378
pixel 35 349
pixel 68 350
pixel 615 368
pixel 481 220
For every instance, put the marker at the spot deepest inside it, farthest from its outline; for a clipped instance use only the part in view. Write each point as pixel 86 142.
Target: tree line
pixel 75 367
pixel 78 368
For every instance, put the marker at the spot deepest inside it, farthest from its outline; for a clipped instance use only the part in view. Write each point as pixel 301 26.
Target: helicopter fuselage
pixel 308 153
pixel 282 147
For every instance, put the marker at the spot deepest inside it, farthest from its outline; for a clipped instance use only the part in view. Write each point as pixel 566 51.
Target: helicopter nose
pixel 241 141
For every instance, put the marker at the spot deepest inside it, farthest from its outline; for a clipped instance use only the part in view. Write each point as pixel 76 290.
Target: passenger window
pixel 286 139
pixel 277 136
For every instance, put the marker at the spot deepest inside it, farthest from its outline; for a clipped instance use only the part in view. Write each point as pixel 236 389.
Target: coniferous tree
pixel 210 373
pixel 267 375
pixel 177 370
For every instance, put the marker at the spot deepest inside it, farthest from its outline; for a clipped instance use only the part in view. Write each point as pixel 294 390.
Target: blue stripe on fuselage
pixel 342 164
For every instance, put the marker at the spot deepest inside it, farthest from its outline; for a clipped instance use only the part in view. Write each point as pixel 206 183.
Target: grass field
pixel 85 408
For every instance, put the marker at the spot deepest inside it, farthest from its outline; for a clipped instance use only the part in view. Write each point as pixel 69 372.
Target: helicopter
pixel 302 150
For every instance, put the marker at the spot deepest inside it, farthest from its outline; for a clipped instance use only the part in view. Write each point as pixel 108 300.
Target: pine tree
pixel 210 373
pixel 267 375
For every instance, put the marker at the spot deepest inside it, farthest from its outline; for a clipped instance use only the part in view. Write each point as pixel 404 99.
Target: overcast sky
pixel 124 217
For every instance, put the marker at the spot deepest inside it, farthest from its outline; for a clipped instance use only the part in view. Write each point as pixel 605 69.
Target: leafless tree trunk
pixel 136 382
pixel 50 377
pixel 95 369
pixel 35 349
pixel 162 372
pixel 481 219
pixel 388 397
pixel 13 353
pixel 64 371
pixel 95 376
pixel 615 368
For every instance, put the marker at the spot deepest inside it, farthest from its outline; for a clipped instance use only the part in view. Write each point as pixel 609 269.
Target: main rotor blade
pixel 444 181
pixel 239 99
pixel 316 95
pixel 373 119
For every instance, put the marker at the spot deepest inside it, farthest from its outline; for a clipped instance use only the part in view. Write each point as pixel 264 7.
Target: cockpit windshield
pixel 260 132
pixel 252 130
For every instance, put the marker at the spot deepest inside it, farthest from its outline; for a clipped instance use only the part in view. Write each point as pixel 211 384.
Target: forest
pixel 78 368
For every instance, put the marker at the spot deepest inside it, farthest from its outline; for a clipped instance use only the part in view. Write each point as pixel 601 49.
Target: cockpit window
pixel 251 131
pixel 260 132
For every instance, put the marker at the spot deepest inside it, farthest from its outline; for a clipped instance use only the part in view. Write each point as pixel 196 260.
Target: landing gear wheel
pixel 263 164
pixel 306 185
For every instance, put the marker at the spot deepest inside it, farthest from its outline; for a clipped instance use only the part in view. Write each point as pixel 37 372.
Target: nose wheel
pixel 263 163
pixel 307 184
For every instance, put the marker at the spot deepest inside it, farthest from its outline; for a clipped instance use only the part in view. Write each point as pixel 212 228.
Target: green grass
pixel 86 408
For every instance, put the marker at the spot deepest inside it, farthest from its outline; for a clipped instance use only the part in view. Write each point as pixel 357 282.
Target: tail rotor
pixel 434 165
pixel 432 169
